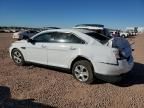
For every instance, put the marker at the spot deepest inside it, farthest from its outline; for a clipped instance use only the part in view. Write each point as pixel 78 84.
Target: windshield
pixel 101 38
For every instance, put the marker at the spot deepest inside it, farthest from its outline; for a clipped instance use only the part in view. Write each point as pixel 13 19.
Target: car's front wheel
pixel 17 57
pixel 82 70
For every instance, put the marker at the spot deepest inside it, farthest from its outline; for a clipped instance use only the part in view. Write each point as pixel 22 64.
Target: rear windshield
pixel 101 38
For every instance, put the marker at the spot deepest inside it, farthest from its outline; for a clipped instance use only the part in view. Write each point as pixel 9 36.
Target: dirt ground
pixel 44 87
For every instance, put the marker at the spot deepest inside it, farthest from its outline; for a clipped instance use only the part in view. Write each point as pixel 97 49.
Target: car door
pixel 63 47
pixel 36 51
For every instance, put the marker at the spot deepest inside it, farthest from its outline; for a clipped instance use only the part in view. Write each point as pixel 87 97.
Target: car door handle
pixel 23 47
pixel 72 48
pixel 43 46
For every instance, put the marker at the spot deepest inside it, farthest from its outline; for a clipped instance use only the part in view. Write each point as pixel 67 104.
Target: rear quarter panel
pixel 96 54
pixel 100 54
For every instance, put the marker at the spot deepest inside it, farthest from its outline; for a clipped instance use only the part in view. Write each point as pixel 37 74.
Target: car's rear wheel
pixel 17 57
pixel 82 70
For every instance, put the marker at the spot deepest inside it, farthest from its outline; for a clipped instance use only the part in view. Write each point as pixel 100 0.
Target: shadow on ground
pixel 53 68
pixel 136 76
pixel 7 102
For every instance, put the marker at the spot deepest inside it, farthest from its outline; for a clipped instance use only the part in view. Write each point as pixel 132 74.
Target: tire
pixel 123 36
pixel 83 71
pixel 17 57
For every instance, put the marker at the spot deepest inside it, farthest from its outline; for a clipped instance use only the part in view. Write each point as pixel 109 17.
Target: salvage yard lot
pixel 48 87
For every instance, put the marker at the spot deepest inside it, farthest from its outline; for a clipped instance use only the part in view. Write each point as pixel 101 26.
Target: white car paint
pixel 102 56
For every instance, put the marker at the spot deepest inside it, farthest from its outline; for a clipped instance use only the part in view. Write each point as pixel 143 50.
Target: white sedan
pixel 86 53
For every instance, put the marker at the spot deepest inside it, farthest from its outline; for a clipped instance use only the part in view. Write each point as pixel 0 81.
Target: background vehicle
pixel 89 25
pixel 124 34
pixel 86 53
pixel 131 32
pixel 24 34
pixel 120 33
pixel 4 31
pixel 99 28
pixel 50 28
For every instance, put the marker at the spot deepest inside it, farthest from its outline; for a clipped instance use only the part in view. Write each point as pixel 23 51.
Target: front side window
pixel 42 37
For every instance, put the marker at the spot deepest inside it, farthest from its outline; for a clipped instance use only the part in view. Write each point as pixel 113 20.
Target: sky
pixel 67 13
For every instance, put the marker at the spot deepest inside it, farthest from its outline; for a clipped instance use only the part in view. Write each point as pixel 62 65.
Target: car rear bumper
pixel 122 67
pixel 111 78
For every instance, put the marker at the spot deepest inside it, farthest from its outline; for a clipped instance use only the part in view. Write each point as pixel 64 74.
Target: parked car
pixel 86 53
pixel 49 28
pixel 119 33
pixel 131 32
pixel 99 28
pixel 89 25
pixel 4 31
pixel 124 34
pixel 12 30
pixel 24 34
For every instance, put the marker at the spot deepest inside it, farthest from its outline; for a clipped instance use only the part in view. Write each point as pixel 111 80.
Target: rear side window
pixel 98 37
pixel 66 38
